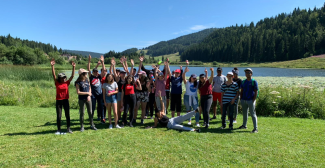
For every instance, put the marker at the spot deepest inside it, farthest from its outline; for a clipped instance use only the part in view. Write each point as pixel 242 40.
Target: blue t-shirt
pixel 96 86
pixel 176 84
pixel 83 87
pixel 248 89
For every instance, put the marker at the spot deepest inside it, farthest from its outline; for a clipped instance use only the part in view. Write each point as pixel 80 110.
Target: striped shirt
pixel 230 92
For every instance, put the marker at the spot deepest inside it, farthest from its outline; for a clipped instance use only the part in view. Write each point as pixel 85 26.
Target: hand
pixel 89 93
pixel 109 94
pixel 132 62
pixel 141 58
pixel 113 61
pixel 73 64
pixel 105 104
pixel 232 101
pixel 52 62
pixel 88 99
pixel 98 63
pixel 167 59
pixel 125 59
pixel 187 70
pixel 211 69
pixel 138 81
pixel 121 60
pixel 89 57
pixel 205 70
pixel 187 62
pixel 101 58
pixel 181 67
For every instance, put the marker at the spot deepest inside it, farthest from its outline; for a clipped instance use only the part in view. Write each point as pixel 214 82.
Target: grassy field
pixel 27 139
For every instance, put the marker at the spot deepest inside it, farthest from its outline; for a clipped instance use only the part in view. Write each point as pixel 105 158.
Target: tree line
pixel 283 37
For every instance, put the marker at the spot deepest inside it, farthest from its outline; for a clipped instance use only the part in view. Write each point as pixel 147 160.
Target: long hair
pixel 80 77
pixel 106 80
pixel 195 82
pixel 132 81
pixel 201 83
pixel 58 79
pixel 144 78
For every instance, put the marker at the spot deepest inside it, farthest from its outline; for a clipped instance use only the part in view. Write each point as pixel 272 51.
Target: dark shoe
pixel 134 121
pixel 255 131
pixel 82 129
pixel 98 118
pixel 242 127
pixel 198 130
pixel 93 128
pixel 131 125
pixel 214 117
pixel 141 121
pixel 200 118
pixel 231 128
pixel 69 131
pixel 222 127
pixel 207 126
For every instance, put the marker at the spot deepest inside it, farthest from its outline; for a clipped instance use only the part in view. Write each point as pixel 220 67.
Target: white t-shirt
pixel 190 89
pixel 109 87
pixel 217 83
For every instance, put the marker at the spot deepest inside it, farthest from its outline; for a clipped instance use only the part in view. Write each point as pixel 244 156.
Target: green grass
pixel 27 140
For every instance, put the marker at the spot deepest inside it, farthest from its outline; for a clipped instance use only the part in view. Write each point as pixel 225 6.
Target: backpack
pixel 253 81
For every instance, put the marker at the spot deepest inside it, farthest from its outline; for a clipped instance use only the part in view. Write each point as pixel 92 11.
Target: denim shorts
pixel 187 103
pixel 119 96
pixel 111 99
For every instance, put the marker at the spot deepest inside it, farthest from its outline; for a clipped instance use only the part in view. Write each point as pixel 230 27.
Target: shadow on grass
pixel 32 133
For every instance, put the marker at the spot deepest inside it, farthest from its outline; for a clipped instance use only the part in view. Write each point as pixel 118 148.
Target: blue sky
pixel 104 25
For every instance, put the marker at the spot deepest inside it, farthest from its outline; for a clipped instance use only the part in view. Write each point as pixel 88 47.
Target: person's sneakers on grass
pixel 234 121
pixel 82 129
pixel 69 131
pixel 242 127
pixel 93 128
pixel 117 126
pixel 110 126
pixel 189 123
pixel 57 133
pixel 197 125
pixel 255 131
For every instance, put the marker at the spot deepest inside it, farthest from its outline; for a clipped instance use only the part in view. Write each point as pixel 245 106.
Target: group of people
pixel 125 91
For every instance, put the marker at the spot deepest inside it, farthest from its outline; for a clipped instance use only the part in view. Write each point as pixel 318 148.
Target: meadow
pixel 290 119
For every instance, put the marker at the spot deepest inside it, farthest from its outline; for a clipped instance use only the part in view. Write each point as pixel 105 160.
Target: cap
pixel 62 75
pixel 142 72
pixel 95 69
pixel 177 71
pixel 122 71
pixel 230 73
pixel 235 72
pixel 150 72
pixel 160 74
pixel 219 69
pixel 193 76
pixel 117 69
pixel 248 69
pixel 134 69
pixel 81 70
pixel 173 71
pixel 202 75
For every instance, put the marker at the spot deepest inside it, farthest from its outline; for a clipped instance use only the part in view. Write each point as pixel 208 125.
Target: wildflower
pixel 278 96
pixel 311 102
pixel 274 92
pixel 274 102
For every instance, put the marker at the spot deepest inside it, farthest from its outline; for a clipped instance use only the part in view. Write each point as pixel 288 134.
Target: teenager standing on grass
pixel 129 99
pixel 173 123
pixel 120 80
pixel 96 88
pixel 235 71
pixel 229 98
pixel 218 80
pixel 84 93
pixel 160 82
pixel 176 92
pixel 62 97
pixel 248 94
pixel 205 88
pixel 110 90
pixel 190 97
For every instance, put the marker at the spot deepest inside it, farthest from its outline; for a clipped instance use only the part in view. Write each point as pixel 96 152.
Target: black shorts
pixel 167 94
pixel 176 101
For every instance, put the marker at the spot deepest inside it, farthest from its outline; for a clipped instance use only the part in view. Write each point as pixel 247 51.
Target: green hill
pixel 84 53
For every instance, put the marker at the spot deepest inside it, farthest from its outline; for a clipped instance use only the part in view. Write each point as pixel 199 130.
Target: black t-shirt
pixel 83 87
pixel 96 86
pixel 144 86
pixel 163 121
pixel 120 83
pixel 238 81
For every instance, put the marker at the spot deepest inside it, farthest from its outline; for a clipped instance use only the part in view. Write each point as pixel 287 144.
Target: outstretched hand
pixel 102 58
pixel 73 64
pixel 205 70
pixel 187 70
pixel 52 62
pixel 141 58
pixel 132 62
pixel 187 62
pixel 113 61
pixel 211 69
pixel 89 57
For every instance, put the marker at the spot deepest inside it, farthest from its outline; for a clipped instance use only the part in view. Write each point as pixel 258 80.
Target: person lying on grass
pixel 62 96
pixel 173 123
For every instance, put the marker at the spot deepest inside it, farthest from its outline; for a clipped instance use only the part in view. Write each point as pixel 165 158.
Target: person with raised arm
pixel 173 123
pixel 120 80
pixel 235 71
pixel 218 80
pixel 191 101
pixel 160 82
pixel 129 99
pixel 205 88
pixel 62 96
pixel 96 87
pixel 176 92
pixel 84 95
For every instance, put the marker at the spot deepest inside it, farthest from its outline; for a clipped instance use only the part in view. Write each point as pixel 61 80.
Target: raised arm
pixel 168 70
pixel 89 59
pixel 186 70
pixel 139 87
pixel 53 70
pixel 211 77
pixel 123 62
pixel 132 66
pixel 73 70
pixel 155 73
pixel 103 64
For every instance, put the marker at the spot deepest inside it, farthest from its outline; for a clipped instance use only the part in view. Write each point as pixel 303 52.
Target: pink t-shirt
pixel 160 85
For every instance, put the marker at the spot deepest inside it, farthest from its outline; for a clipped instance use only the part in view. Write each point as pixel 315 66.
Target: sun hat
pixel 81 70
pixel 117 69
pixel 122 71
pixel 142 72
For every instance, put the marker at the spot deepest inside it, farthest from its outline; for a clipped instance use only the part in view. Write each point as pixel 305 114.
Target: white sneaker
pixel 189 123
pixel 63 133
pixel 110 126
pixel 235 121
pixel 117 126
pixel 197 125
pixel 57 133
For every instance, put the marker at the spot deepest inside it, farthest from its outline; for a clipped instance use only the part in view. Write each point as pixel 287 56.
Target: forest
pixel 284 37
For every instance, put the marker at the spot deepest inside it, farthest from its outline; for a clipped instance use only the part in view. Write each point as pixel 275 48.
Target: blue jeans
pixel 249 104
pixel 230 114
pixel 193 105
pixel 174 123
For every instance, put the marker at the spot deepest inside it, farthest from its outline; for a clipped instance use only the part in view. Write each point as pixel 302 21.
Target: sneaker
pixel 198 130
pixel 82 129
pixel 231 128
pixel 117 126
pixel 255 131
pixel 234 121
pixel 110 126
pixel 69 131
pixel 57 133
pixel 141 122
pixel 200 118
pixel 207 126
pixel 222 127
pixel 93 128
pixel 242 127
pixel 189 123
pixel 63 133
pixel 197 125
pixel 131 125
pixel 214 117
pixel 98 119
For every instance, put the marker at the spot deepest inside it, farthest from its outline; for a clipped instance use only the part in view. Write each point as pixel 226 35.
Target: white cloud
pixel 195 28
pixel 198 27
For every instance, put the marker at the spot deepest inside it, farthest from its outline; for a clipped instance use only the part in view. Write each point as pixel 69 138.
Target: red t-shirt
pixel 167 87
pixel 103 80
pixel 62 90
pixel 129 89
pixel 206 89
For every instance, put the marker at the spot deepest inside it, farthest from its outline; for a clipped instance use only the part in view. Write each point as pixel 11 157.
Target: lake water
pixel 257 72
